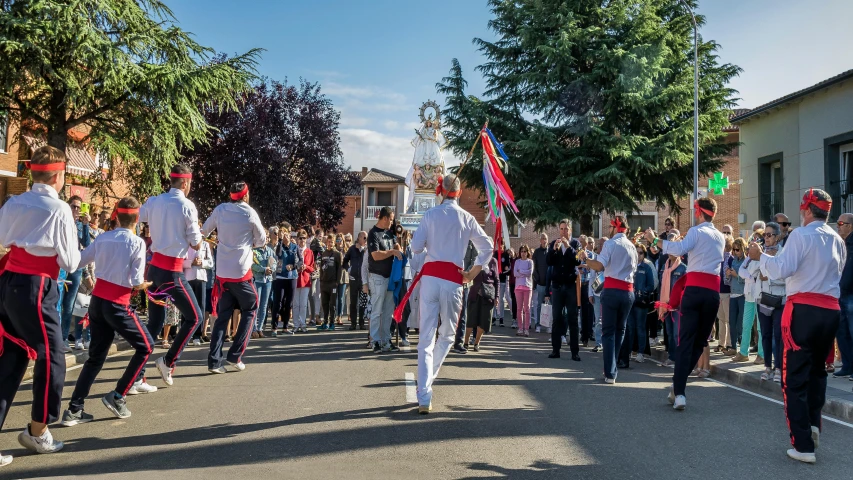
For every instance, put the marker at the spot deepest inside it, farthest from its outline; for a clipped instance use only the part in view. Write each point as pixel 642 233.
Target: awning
pixel 79 160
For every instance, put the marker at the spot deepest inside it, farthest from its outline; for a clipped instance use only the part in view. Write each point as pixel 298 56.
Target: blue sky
pixel 379 60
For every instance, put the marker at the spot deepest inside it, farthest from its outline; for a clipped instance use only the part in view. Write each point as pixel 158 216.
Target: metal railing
pixel 771 204
pixel 373 212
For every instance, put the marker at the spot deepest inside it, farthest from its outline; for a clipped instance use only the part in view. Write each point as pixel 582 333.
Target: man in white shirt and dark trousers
pixel 239 230
pixel 39 230
pixel 811 265
pixel 618 260
pixel 701 299
pixel 120 256
pixel 173 223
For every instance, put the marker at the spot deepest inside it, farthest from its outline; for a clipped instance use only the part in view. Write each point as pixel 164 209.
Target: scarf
pixel 663 306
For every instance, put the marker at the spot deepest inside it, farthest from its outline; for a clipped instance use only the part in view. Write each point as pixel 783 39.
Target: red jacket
pixel 304 279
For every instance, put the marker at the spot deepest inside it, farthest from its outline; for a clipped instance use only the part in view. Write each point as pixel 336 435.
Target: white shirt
pixel 417 262
pixel 811 261
pixel 445 231
pixel 42 224
pixel 120 257
pixel 704 244
pixel 198 272
pixel 173 222
pixel 239 230
pixel 619 257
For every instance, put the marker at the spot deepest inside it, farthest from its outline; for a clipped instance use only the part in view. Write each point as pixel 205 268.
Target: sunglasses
pixel 768 235
pixel 785 224
pixel 840 223
pixel 735 249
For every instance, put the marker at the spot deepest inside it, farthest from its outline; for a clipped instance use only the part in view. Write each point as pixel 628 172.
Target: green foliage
pixel 119 69
pixel 593 102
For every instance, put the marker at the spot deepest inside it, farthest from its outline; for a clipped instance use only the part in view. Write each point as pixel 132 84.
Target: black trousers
pixel 587 314
pixel 186 303
pixel 355 312
pixel 463 318
pixel 199 289
pixel 28 312
pixel 233 296
pixel 698 312
pixel 105 320
pixel 564 297
pixel 328 299
pixel 813 332
pixel 283 290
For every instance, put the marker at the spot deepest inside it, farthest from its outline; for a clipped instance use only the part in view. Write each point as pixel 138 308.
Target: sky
pixel 379 60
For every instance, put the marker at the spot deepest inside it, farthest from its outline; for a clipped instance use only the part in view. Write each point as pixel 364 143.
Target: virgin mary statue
pixel 428 161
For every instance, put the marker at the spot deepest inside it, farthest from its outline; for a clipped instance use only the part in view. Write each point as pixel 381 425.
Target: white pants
pixel 300 306
pixel 438 298
pixel 381 309
pixel 414 307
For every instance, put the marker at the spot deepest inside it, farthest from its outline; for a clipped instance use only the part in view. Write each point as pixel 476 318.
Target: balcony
pixel 771 204
pixel 373 212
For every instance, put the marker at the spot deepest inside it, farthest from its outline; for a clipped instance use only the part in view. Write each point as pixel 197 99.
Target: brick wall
pixel 9 158
pixel 348 224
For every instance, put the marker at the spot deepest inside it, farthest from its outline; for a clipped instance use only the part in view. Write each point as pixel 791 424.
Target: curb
pixel 837 407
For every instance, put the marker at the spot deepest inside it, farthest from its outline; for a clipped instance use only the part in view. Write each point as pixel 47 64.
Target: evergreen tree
pixel 593 102
pixel 123 69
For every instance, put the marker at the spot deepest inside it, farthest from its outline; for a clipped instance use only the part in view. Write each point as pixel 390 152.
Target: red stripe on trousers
pixel 46 349
pixel 147 345
pixel 195 325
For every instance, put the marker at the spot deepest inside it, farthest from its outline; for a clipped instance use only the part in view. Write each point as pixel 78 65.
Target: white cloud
pixel 349 91
pixel 391 124
pixel 372 149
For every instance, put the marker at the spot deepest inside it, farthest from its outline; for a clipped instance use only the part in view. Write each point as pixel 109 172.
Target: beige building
pixel 800 141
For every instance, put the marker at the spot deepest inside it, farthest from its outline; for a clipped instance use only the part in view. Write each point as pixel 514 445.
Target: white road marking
pixel 833 420
pixel 411 388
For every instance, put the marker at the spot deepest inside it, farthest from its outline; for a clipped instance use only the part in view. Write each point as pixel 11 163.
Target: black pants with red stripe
pixel 105 320
pixel 28 312
pixel 803 374
pixel 184 299
pixel 698 312
pixel 235 295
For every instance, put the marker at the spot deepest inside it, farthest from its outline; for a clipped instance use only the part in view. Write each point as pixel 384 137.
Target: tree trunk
pixel 586 225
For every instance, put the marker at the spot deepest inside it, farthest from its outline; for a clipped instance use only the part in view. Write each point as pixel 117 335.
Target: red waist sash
pixel 216 293
pixel 710 281
pixel 610 282
pixel 444 270
pixel 112 293
pixel 19 261
pixel 172 264
pixel 805 298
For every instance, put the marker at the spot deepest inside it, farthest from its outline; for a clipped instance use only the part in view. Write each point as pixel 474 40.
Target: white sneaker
pixel 653 342
pixel 640 358
pixel 538 329
pixel 165 371
pixel 777 376
pixel 42 444
pixel 668 363
pixel 680 402
pixel 514 324
pixel 609 381
pixel 5 460
pixel 78 345
pixel 802 457
pixel 240 366
pixel 563 339
pixel 141 387
pixel 86 344
pixel 196 342
pixel 815 436
pixel 548 330
pixel 217 370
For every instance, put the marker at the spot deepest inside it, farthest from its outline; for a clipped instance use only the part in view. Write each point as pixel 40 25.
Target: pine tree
pixel 593 102
pixel 120 67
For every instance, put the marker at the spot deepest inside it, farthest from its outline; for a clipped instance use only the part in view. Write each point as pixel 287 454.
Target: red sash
pixel 711 281
pixel 112 292
pixel 610 282
pixel 19 261
pixel 171 264
pixel 443 270
pixel 216 293
pixel 805 298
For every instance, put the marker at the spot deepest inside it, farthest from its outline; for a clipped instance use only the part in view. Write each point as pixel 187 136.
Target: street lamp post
pixel 695 110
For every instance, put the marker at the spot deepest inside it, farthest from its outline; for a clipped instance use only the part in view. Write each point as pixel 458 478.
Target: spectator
pixel 288 260
pixel 737 301
pixel 382 251
pixel 330 274
pixel 523 273
pixel 503 293
pixel 470 256
pixel 725 291
pixel 562 258
pixel 674 269
pixel 644 288
pixel 195 269
pixel 317 244
pixel 540 278
pixel 263 270
pixel 481 299
pixel 303 283
pixel 342 247
pixel 751 291
pixel 73 279
pixel 845 327
pixel 757 232
pixel 769 311
pixel 784 227
pixel 352 265
pixel 511 289
pixel 586 307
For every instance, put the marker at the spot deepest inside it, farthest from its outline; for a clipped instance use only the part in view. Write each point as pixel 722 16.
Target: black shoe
pixel 502 323
pixel 459 349
pixel 393 348
pixel 554 355
pixel 361 326
pixel 595 349
pixel 622 365
pixel 576 357
pixel 377 348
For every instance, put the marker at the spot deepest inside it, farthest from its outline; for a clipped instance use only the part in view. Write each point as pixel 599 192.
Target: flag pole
pixel 471 152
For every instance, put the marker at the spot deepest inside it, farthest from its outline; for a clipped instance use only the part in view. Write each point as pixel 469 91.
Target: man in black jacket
pixel 562 258
pixel 845 327
pixel 352 264
pixel 540 278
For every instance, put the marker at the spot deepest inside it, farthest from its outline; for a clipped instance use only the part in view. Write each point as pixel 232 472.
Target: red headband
pixel 440 190
pixel 127 210
pixel 811 199
pixel 698 211
pixel 618 224
pixel 47 167
pixel 242 193
pixel 181 175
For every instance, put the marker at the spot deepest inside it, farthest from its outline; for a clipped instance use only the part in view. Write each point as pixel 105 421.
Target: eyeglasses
pixel 727 233
pixel 785 224
pixel 840 223
pixel 768 235
pixel 735 249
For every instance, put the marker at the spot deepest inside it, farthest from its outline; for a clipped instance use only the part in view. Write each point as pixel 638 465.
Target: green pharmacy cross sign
pixel 718 183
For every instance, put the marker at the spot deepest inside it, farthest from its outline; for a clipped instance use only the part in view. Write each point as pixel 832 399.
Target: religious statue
pixel 428 162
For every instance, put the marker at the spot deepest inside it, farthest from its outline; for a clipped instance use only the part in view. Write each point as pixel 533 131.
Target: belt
pixel 804 298
pixel 444 270
pixel 711 281
pixel 610 282
pixel 172 264
pixel 19 260
pixel 112 293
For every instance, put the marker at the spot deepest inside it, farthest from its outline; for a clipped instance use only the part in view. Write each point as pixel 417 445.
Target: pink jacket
pixel 523 272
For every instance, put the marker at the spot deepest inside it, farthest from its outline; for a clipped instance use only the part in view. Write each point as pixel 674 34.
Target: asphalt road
pixel 320 405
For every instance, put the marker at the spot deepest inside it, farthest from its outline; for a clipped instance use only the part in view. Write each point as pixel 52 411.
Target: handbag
pixel 487 292
pixel 81 305
pixel 546 315
pixel 770 300
pixel 597 285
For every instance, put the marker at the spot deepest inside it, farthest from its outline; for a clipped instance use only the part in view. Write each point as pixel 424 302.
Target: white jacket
pixel 749 273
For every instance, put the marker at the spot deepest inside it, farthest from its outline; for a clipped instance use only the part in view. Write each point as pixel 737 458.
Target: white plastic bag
pixel 546 316
pixel 81 305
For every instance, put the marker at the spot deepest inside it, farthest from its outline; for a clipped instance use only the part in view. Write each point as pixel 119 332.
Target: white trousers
pixel 438 299
pixel 300 306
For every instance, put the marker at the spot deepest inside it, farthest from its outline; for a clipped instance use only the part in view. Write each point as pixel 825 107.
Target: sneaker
pixel 41 444
pixel 5 460
pixel 501 323
pixel 377 348
pixel 680 402
pixel 563 340
pixel 730 352
pixel 425 409
pixel 67 348
pixel 840 373
pixel 653 342
pixel 704 373
pixel 777 376
pixel 527 333
pixel 197 342
pixel 274 333
pixel 609 381
pixel 78 345
pixel 393 348
pixel 86 344
pixel 116 405
pixel 69 418
pixel 767 375
pixel 405 342
pixel 640 358
pixel 476 347
pixel 738 358
pixel 239 366
pixel 322 327
pixel 514 324
pixel 460 348
pixel 548 330
pixel 668 363
pixel 140 387
pixel 801 457
pixel 596 349
pixel 165 371
pixel 538 329
pixel 759 360
pixel 217 370
pixel 331 326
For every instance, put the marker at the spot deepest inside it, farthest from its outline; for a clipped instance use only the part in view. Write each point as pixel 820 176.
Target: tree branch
pixel 73 122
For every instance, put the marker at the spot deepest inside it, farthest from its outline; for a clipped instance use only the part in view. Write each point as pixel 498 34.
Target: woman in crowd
pixel 482 298
pixel 674 269
pixel 749 271
pixel 523 273
pixel 330 274
pixel 770 304
pixel 644 289
pixel 343 282
pixel 352 265
pixel 288 258
pixel 737 299
pixel 263 266
pixel 721 327
pixel 303 283
pixel 511 291
pixel 503 292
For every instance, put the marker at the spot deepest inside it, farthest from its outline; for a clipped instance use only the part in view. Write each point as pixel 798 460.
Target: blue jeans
pixel 538 299
pixel 736 320
pixel 264 289
pixel 636 329
pixel 771 336
pixel 845 333
pixel 596 311
pixel 68 298
pixel 671 322
pixel 342 297
pixel 615 306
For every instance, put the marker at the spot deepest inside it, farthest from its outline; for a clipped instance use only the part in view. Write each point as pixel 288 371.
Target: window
pixel 846 176
pixel 384 198
pixel 514 230
pixel 643 220
pixel 596 227
pixel 4 128
pixel 770 182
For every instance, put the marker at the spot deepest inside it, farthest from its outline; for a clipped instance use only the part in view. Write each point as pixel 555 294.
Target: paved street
pixel 321 405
